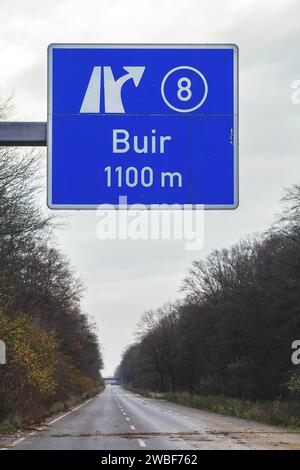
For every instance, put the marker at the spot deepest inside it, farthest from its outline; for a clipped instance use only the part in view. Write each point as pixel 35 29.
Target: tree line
pixel 52 349
pixel 232 332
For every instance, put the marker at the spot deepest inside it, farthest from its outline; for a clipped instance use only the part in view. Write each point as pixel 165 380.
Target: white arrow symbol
pixel 113 88
pixel 135 73
pixel 91 100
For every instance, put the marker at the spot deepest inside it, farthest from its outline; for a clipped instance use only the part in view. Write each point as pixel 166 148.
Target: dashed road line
pixel 141 443
pixel 132 427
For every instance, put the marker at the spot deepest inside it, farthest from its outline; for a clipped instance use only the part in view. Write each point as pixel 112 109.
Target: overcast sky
pixel 123 278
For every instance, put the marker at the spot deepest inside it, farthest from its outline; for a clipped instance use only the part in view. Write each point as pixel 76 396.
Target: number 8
pixel 184 86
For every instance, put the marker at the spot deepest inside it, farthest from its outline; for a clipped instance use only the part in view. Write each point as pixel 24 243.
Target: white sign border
pixel 232 46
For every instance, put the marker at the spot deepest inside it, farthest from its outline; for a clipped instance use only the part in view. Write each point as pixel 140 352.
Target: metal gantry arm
pixel 23 134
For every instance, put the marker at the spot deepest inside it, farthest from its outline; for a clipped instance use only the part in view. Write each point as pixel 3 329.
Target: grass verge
pixel 283 413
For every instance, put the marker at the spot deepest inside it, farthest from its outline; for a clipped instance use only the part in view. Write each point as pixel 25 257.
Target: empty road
pixel 118 419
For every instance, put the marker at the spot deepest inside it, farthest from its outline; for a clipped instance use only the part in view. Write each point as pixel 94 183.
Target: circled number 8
pixel 184 92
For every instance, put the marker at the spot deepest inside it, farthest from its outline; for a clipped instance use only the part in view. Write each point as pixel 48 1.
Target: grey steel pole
pixel 25 134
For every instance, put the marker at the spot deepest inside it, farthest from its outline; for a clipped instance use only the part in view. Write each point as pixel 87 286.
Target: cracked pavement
pixel 119 419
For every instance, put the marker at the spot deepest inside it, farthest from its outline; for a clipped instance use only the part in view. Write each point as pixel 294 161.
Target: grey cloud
pixel 124 278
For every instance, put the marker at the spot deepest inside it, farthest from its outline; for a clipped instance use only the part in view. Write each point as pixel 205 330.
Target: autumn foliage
pixel 52 349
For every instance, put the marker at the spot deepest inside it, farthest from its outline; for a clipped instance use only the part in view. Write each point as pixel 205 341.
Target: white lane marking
pixel 132 427
pixel 18 441
pixel 119 405
pixel 141 443
pixel 66 414
pixel 21 439
pixel 60 417
pixel 121 409
pixel 77 407
pixel 117 402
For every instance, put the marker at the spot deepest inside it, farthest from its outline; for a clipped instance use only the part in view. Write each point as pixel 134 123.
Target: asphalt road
pixel 118 419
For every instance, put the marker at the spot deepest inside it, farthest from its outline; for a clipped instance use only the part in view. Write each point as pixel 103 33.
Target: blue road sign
pixel 142 124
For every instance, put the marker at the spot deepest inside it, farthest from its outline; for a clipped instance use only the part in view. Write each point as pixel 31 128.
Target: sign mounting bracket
pixel 23 134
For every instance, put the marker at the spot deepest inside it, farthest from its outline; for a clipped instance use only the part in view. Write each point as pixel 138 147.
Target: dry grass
pixel 285 413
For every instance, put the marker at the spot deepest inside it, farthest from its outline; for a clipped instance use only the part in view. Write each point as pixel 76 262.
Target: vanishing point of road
pixel 117 419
